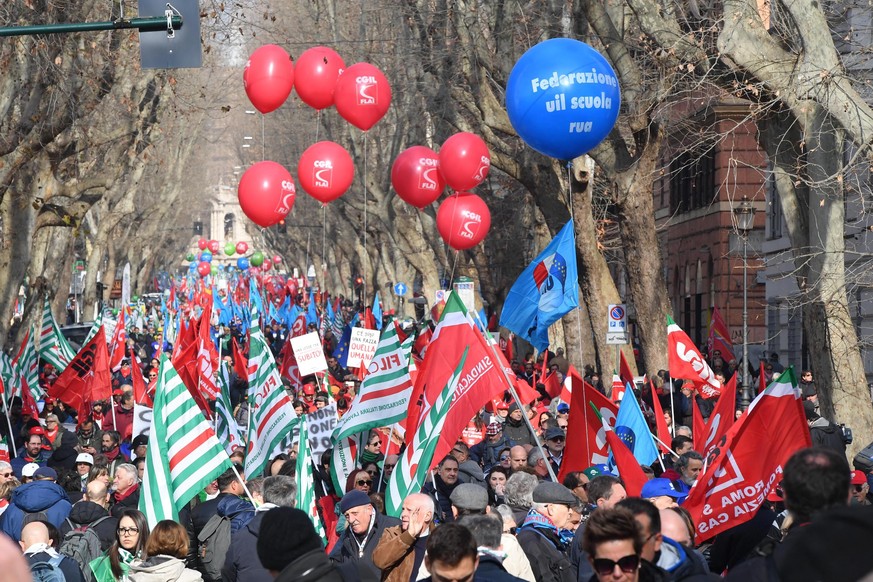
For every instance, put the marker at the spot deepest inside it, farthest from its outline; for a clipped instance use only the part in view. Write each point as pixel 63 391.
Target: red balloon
pixel 202 244
pixel 267 265
pixel 266 193
pixel 363 95
pixel 268 77
pixel 326 171
pixel 204 268
pixel 463 220
pixel 241 248
pixel 416 177
pixel 277 260
pixel 316 72
pixel 214 246
pixel 464 161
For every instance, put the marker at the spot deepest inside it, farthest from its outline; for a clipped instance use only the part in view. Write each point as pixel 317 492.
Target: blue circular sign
pixel 562 97
pixel 617 313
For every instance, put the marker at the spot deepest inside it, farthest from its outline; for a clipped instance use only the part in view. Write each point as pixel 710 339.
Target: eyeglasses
pixel 368 482
pixel 605 567
pixel 127 531
pixel 859 488
pixel 504 457
pixel 153 375
pixel 5 475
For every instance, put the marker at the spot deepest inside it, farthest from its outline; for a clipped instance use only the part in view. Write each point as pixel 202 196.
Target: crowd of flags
pixel 425 387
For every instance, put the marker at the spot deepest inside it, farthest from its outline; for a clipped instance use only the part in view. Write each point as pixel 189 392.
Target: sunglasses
pixel 504 457
pixel 557 439
pixel 605 567
pixel 363 482
pixel 153 375
pixel 128 531
pixel 5 475
pixel 376 444
pixel 859 488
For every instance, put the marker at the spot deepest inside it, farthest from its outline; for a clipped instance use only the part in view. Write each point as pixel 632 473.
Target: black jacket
pixel 441 495
pixel 87 512
pixel 547 561
pixel 491 570
pixel 346 549
pixel 68 566
pixel 196 522
pixel 827 435
pixel 312 566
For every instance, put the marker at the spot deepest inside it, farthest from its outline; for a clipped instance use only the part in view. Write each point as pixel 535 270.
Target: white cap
pixel 85 458
pixel 29 469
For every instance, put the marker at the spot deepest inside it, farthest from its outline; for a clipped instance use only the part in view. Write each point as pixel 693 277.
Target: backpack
pixel 213 543
pixel 83 545
pixel 48 571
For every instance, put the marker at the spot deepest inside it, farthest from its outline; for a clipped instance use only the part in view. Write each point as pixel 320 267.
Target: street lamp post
pixel 745 215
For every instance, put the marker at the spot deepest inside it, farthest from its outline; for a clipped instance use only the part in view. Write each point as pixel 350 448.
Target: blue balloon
pixel 562 98
pixel 242 263
pixel 192 267
pixel 206 256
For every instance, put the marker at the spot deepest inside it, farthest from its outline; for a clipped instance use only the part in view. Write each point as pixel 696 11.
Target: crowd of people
pixel 492 509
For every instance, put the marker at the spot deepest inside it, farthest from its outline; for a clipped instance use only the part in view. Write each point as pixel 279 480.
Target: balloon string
pixel 263 140
pixel 323 236
pixel 317 123
pixel 364 137
pixel 454 266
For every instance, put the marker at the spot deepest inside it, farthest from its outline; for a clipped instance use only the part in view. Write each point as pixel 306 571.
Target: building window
pixel 692 180
pixel 198 227
pixel 228 225
pixel 775 218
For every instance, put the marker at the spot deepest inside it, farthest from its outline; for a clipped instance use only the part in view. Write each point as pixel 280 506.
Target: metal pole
pixel 745 397
pixel 151 24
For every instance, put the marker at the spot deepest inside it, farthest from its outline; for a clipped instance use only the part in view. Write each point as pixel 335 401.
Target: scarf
pixel 535 521
pixel 40 547
pixel 113 454
pixel 122 496
pixel 368 456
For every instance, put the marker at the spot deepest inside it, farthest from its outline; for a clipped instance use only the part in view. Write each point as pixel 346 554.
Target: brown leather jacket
pixel 395 554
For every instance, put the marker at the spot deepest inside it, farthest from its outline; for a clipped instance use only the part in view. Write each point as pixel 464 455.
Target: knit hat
pixel 809 410
pixel 285 535
pixel 352 499
pixel 493 429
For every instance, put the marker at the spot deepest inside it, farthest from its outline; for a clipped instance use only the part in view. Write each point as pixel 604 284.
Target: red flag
pixel 506 346
pixel 618 388
pixel 480 379
pixel 422 341
pixel 28 404
pixel 762 378
pixel 586 445
pixel 369 320
pixel 698 427
pixel 87 377
pixel 553 387
pixel 686 362
pixel 140 391
pixel 207 357
pixel 119 339
pixel 746 463
pixel 288 366
pixel 660 422
pixel 624 370
pixel 185 364
pixel 722 417
pixel 525 393
pixel 240 362
pixel 571 380
pixel 628 467
pixel 719 336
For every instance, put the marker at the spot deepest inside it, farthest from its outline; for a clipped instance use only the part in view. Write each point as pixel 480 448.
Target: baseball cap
pixel 502 405
pixel 563 408
pixel 554 433
pixel 36 430
pixel 660 488
pixel 493 429
pixel 85 458
pixel 46 473
pixel 858 478
pixel 29 469
pixel 596 470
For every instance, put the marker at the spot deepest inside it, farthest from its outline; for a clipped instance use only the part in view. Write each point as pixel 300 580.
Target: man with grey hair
pixel 126 487
pixel 519 494
pixel 400 551
pixel 537 462
pixel 6 472
pixel 487 530
pixel 542 533
pixel 241 562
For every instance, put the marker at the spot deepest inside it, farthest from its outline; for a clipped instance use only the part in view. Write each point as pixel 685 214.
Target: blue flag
pixel 632 429
pixel 377 311
pixel 341 353
pixel 546 291
pixel 311 312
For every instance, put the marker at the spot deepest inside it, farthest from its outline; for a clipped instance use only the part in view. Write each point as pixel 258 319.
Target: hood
pixel 672 555
pixel 824 424
pixel 158 568
pixel 232 505
pixel 85 512
pixel 38 496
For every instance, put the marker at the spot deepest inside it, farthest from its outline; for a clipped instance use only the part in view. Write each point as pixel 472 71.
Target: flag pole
pixel 665 445
pixel 517 400
pixel 243 483
pixel 382 468
pixel 9 422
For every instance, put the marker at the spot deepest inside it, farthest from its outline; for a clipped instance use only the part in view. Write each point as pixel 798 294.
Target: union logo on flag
pixel 549 275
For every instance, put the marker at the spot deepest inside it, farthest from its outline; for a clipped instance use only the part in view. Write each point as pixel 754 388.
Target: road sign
pixel 616 330
pixel 400 289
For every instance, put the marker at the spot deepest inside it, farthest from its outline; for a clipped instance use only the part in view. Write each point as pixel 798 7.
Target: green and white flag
pixel 226 428
pixel 27 368
pixel 270 407
pixel 183 454
pixel 383 398
pixel 413 467
pixel 306 482
pixel 53 346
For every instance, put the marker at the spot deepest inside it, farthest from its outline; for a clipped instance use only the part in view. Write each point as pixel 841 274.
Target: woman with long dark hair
pixel 130 542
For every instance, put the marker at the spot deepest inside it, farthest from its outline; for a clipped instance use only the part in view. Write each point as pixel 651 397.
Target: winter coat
pixel 680 562
pixel 197 521
pixel 21 459
pixel 162 569
pixel 312 566
pixel 441 495
pixel 239 510
pixel 68 566
pixel 488 454
pixel 129 501
pixel 395 554
pixel 827 435
pixel 35 497
pixel 242 563
pixel 517 432
pixel 547 561
pixel 470 472
pixel 87 512
pixel 346 549
pixel 491 570
pixel 65 453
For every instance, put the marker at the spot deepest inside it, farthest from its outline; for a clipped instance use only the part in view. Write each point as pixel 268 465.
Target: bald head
pixel 418 508
pixel 674 527
pixel 517 457
pixel 34 533
pixel 97 492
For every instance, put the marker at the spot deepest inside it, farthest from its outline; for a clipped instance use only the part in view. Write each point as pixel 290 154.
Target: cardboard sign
pixel 362 347
pixel 319 426
pixel 309 353
pixel 142 420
